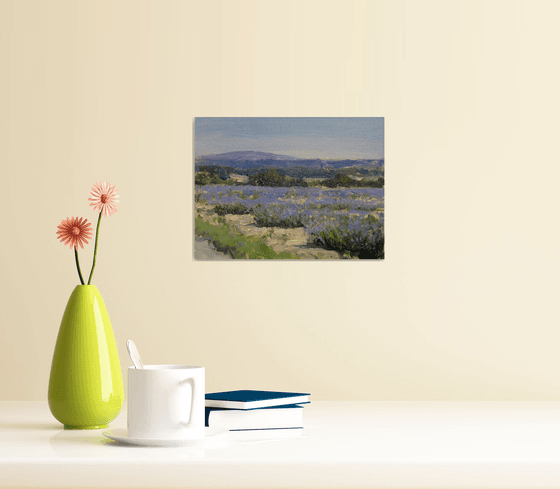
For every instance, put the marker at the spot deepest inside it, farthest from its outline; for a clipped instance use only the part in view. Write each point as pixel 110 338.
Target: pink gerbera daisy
pixel 104 198
pixel 74 231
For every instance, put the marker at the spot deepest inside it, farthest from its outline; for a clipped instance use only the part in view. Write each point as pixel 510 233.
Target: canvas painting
pixel 299 188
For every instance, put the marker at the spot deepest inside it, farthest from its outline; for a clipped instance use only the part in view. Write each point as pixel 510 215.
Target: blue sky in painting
pixel 302 137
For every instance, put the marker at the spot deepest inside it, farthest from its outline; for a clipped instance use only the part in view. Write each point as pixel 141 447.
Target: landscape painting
pixel 300 188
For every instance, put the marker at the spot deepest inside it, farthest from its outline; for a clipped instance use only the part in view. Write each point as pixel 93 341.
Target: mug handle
pixel 194 390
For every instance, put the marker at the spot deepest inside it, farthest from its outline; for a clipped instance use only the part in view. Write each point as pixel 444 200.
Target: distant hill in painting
pixel 247 156
pixel 259 159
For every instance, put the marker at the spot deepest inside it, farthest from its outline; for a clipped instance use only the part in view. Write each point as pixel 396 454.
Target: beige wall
pixel 463 307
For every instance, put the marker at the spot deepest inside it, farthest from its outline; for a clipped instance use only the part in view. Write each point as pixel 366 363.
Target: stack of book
pixel 257 413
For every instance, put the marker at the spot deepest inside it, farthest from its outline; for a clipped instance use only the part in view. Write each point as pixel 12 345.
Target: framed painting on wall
pixel 289 188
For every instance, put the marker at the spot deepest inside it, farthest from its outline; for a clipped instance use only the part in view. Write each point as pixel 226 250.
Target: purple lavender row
pixel 312 198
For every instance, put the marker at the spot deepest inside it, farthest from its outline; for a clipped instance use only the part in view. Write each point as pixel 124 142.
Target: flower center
pixel 75 231
pixel 104 198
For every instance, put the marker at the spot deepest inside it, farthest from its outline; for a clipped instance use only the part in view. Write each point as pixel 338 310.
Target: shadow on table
pixel 69 438
pixel 31 426
pixel 67 443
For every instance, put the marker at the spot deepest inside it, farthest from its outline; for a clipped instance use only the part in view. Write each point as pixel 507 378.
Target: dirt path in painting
pixel 203 250
pixel 292 241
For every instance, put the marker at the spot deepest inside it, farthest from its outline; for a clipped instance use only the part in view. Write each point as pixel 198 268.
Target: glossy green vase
pixel 86 386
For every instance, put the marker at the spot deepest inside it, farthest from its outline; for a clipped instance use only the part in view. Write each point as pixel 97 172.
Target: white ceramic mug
pixel 166 402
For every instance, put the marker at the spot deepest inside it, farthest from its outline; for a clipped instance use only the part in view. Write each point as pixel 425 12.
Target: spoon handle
pixel 134 355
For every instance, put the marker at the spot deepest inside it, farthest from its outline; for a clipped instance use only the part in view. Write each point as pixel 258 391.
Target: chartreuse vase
pixel 86 386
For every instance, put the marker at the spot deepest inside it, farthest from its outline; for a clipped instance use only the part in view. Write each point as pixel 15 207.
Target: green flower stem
pixel 95 249
pixel 78 265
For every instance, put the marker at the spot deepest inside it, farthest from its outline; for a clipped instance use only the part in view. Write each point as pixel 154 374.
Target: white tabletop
pixel 345 444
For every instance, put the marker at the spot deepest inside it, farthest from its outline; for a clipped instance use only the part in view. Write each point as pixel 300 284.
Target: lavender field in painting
pixel 256 204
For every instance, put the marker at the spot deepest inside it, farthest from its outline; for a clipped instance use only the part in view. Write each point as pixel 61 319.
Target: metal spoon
pixel 134 355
